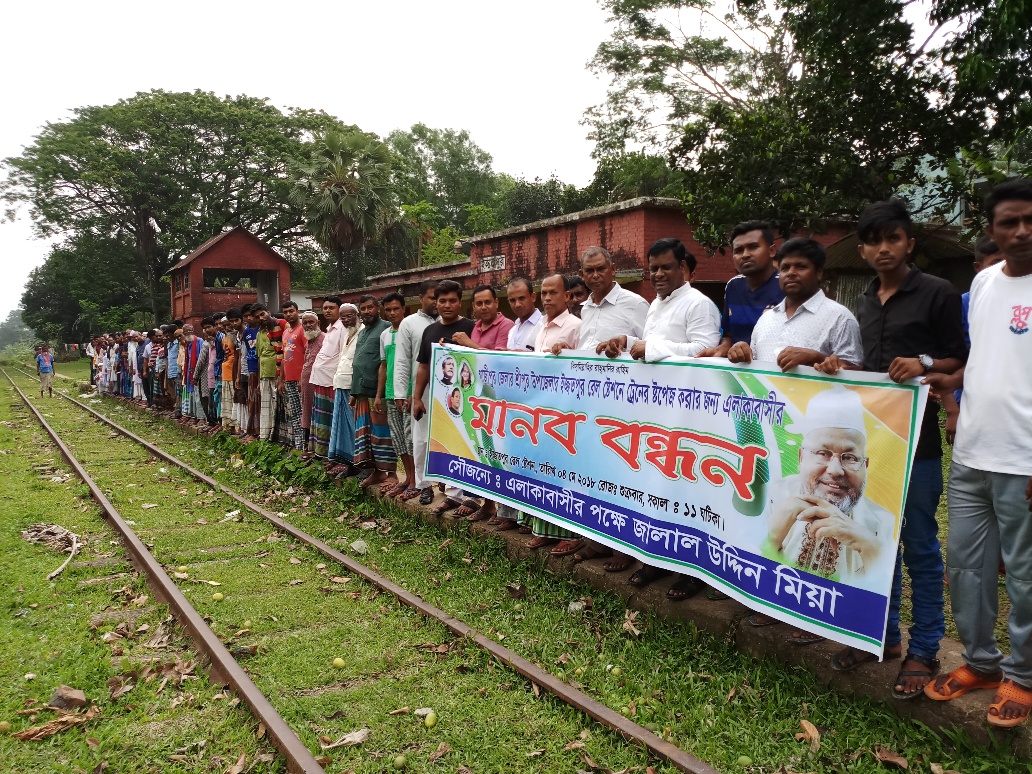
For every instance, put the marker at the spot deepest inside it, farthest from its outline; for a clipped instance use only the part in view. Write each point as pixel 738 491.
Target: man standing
pixel 560 328
pixel 410 335
pixel 910 324
pixel 373 449
pixel 400 422
pixel 755 288
pixel 249 339
pixel 323 369
pixel 341 454
pixel 230 371
pixel 610 310
pixel 523 302
pixel 449 307
pixel 269 350
pixel 682 322
pixel 173 371
pixel 990 485
pixel 314 338
pixel 45 370
pixel 190 351
pixel 290 377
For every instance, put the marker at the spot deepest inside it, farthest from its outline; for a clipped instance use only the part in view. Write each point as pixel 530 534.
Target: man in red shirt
pixel 294 343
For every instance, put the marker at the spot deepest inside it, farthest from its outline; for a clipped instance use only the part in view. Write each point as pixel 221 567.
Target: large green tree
pixel 164 171
pixel 801 110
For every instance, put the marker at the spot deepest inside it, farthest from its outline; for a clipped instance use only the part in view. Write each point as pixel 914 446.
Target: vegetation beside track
pixel 717 703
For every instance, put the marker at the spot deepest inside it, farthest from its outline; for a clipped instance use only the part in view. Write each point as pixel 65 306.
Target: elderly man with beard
pixel 314 338
pixel 820 520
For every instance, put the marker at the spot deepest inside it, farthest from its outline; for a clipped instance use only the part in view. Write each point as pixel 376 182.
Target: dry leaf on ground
pixel 442 749
pixel 630 622
pixel 348 740
pixel 809 734
pixel 56 726
pixel 890 758
pixel 238 767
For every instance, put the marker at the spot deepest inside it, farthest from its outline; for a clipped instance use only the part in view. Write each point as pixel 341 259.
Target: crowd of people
pixel 348 389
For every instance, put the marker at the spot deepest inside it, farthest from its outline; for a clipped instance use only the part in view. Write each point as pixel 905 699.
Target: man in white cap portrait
pixel 820 520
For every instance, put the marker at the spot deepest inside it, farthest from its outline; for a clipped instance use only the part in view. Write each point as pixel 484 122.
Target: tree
pixel 164 171
pixel 444 168
pixel 525 201
pixel 345 190
pixel 792 110
pixel 13 330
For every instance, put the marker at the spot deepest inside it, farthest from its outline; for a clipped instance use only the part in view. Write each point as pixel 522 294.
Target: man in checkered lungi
pixel 230 371
pixel 290 374
pixel 398 420
pixel 373 447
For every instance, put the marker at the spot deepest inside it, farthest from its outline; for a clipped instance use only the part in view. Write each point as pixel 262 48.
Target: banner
pixel 784 491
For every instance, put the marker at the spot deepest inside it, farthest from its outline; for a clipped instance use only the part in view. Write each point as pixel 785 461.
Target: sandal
pixel 567 547
pixel 646 574
pixel 932 665
pixel 588 553
pixel 468 508
pixel 618 563
pixel 541 542
pixel 408 494
pixel 759 619
pixel 524 530
pixel 446 505
pixel 504 525
pixel 1010 692
pixel 965 679
pixel 426 496
pixel 805 638
pixel 848 659
pixel 685 588
pixel 479 514
pixel 715 595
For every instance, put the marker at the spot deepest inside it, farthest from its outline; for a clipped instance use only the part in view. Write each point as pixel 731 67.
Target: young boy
pixel 45 369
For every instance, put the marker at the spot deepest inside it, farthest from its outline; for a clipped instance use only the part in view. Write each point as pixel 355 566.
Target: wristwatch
pixel 926 362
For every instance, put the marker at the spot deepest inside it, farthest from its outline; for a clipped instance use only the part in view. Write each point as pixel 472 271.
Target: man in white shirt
pixel 990 484
pixel 407 341
pixel 522 301
pixel 609 310
pixel 340 453
pixel 806 326
pixel 681 321
pixel 323 370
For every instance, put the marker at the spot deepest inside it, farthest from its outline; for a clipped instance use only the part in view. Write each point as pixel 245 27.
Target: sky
pixel 514 74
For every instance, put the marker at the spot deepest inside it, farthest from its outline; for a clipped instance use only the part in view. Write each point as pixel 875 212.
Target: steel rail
pixel 223 668
pixel 603 714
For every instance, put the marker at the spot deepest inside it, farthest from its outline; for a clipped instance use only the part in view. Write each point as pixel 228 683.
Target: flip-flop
pixel 645 575
pixel 848 659
pixel 965 678
pixel 587 553
pixel 713 595
pixel 759 619
pixel 685 588
pixel 1009 691
pixel 931 663
pixel 479 515
pixel 504 525
pixel 468 508
pixel 447 504
pixel 408 494
pixel 567 547
pixel 541 542
pixel 801 638
pixel 618 563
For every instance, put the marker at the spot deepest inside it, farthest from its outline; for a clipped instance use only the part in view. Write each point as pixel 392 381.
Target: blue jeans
pixel 920 550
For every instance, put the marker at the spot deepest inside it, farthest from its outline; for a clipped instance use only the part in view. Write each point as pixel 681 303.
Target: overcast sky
pixel 513 74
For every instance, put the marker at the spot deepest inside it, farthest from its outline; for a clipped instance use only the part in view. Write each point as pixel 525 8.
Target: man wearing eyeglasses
pixel 820 519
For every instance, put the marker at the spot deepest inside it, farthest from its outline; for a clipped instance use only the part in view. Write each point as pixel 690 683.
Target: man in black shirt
pixel 449 322
pixel 910 325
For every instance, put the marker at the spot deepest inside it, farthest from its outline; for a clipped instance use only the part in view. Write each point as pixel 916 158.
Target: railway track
pixel 220 568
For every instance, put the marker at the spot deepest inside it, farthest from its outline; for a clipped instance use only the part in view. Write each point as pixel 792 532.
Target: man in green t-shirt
pixel 400 422
pixel 373 448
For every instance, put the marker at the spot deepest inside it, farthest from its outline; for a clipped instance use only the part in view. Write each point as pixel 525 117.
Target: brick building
pixel 228 270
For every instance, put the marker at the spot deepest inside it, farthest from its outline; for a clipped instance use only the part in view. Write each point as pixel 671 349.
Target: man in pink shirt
pixel 294 343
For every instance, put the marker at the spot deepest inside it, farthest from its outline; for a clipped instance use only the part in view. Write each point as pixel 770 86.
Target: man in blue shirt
pixel 45 369
pixel 755 288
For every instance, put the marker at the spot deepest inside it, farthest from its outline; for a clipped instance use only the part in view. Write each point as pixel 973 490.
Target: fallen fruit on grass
pixel 430 720
pixel 625 711
pixel 217 596
pixel 5 727
pixel 247 625
pixel 338 662
pixel 400 762
pixel 617 671
pixel 744 760
pixel 182 568
pixel 579 671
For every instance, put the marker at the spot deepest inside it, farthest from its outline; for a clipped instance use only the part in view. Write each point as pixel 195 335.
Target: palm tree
pixel 344 188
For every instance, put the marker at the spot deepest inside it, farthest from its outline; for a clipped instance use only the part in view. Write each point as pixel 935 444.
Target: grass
pixel 710 699
pixel 45 631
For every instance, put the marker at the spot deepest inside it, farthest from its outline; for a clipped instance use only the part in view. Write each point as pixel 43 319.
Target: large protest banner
pixel 782 490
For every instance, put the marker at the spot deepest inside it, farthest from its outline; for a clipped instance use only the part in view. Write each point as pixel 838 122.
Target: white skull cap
pixel 838 407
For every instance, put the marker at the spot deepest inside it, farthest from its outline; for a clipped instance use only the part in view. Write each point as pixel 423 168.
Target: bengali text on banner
pixel 783 490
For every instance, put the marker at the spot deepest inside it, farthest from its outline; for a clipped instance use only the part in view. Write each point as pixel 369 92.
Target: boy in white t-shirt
pixel 990 486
